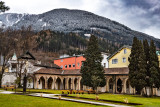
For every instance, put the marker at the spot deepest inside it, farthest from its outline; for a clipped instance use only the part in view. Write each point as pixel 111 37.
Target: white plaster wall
pixel 101 89
pixel 104 60
pixel 8 78
pixel 158 92
pixel 29 85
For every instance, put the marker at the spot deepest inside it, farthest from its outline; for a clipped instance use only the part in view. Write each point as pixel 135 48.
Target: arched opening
pixel 69 83
pixel 64 83
pixel 127 87
pixel 42 83
pixel 58 83
pixel 75 83
pixel 50 82
pixel 111 85
pixel 30 82
pixel 119 85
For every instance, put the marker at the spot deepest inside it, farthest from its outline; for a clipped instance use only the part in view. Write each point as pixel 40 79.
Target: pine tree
pixel 137 67
pixel 3 8
pixel 154 79
pixel 92 70
pixel 146 51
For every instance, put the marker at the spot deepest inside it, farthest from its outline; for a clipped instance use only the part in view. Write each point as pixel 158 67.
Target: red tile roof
pixel 108 71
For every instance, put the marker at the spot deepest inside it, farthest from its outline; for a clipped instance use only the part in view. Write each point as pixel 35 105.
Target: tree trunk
pixel 151 91
pixel 146 91
pixel 1 75
pixel 0 80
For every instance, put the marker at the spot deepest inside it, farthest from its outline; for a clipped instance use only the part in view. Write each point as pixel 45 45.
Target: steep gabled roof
pixel 27 55
pixel 125 46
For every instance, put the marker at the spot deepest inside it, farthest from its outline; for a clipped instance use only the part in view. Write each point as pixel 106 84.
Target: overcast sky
pixel 140 15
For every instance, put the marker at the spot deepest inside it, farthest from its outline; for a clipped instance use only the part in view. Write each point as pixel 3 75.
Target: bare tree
pixel 24 42
pixel 6 49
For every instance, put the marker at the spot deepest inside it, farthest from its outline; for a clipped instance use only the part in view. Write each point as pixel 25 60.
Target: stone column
pixel 79 84
pixel 46 83
pixel 37 81
pixel 107 85
pixel 115 86
pixel 72 84
pixel 124 86
pixel 66 84
pixel 53 83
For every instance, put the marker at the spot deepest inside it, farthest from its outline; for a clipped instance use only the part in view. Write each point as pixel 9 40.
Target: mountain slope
pixel 78 21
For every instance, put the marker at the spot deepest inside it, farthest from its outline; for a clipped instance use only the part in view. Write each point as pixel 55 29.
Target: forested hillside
pixel 69 43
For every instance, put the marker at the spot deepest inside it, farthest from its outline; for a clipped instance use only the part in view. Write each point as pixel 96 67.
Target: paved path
pixel 52 96
pixel 76 100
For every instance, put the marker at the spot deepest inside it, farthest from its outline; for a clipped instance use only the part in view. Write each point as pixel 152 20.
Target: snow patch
pixel 40 20
pixel 87 35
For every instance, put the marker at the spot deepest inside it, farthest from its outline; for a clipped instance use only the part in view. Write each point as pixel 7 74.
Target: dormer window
pixel 125 51
pixel 124 60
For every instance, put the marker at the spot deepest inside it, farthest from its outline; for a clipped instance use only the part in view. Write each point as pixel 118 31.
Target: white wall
pixel 8 78
pixel 104 60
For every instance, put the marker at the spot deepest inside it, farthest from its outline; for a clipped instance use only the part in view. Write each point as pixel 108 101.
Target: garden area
pixel 12 100
pixel 132 100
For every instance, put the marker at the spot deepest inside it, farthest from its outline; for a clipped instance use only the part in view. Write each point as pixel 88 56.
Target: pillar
pixel 107 85
pixel 37 82
pixel 53 83
pixel 79 84
pixel 46 83
pixel 72 83
pixel 66 86
pixel 124 86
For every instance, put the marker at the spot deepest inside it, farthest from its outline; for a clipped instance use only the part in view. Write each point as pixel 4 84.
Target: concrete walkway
pixel 53 96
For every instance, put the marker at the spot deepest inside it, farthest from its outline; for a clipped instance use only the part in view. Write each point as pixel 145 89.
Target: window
pixel 114 61
pixel 61 60
pixel 78 63
pixel 65 66
pixel 124 60
pixel 69 66
pixel 125 51
pixel 73 65
pixel 104 64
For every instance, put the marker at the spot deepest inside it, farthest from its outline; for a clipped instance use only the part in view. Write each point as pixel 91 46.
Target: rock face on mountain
pixel 65 20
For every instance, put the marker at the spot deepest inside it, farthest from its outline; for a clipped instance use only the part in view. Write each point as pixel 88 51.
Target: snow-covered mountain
pixel 73 21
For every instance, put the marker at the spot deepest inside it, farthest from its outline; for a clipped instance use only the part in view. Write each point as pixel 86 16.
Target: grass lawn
pixel 37 91
pixel 147 102
pixel 10 100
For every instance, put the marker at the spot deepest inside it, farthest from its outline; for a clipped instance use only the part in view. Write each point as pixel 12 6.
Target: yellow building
pixel 6 70
pixel 120 58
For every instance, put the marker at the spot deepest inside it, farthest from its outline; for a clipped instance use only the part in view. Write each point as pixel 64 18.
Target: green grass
pixel 147 102
pixel 10 100
pixel 37 91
